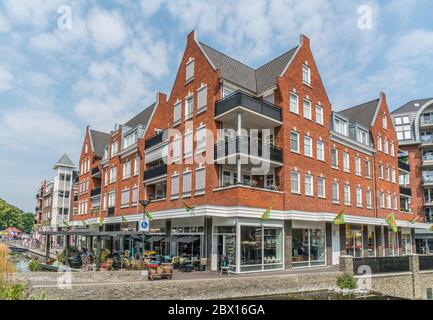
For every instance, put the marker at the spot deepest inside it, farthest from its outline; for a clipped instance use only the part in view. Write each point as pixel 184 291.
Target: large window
pixel 261 248
pixel 406 239
pixel 129 140
pixel 354 241
pixel 308 247
pixel 402 127
pixel 340 126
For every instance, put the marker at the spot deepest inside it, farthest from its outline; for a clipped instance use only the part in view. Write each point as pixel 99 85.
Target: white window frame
pixel 294 107
pixel 296 190
pixel 335 191
pixel 175 182
pixel 346 162
pixel 298 147
pixel 306 74
pixel 358 197
pixel 307 109
pixel 309 182
pixel 186 189
pixel 347 196
pixel 320 150
pixel 358 167
pixel 198 190
pixel 335 166
pixel 321 186
pixel 190 70
pixel 188 114
pixel 310 145
pixel 177 113
pixel 319 115
pixel 202 99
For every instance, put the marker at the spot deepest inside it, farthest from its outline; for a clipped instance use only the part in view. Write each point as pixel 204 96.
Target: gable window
pixel 202 99
pixel 320 152
pixel 177 113
pixel 129 140
pixel 306 74
pixel 294 141
pixel 334 158
pixel 294 103
pixel 308 146
pixel 189 74
pixel 307 109
pixel 295 182
pixel 319 115
pixel 385 121
pixel 189 107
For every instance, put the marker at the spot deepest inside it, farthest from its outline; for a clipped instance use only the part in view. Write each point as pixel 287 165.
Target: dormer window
pixel 340 126
pixel 385 121
pixel 105 157
pixel 190 70
pixel 306 74
pixel 362 136
pixel 129 140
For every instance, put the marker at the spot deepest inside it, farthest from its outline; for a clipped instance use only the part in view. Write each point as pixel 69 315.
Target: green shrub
pixel 347 281
pixel 35 265
pixel 14 291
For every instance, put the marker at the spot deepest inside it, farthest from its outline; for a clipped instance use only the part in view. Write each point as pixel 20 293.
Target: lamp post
pixel 144 203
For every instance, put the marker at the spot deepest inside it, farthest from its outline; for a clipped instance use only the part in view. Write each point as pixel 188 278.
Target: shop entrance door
pixel 335 244
pixel 226 247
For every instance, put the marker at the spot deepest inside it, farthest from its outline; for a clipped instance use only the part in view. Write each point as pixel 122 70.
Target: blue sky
pixel 119 53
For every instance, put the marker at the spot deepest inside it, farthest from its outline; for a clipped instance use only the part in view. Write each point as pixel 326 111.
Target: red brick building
pixel 231 141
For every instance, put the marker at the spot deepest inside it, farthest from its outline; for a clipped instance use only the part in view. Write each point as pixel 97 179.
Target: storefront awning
pixel 188 239
pixel 155 238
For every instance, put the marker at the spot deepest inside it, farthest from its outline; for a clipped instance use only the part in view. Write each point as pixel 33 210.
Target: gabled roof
pixel 142 118
pixel 99 141
pixel 255 80
pixel 64 161
pixel 411 106
pixel 362 114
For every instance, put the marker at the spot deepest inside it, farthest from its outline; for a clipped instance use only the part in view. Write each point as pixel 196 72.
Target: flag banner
pixel 339 219
pixel 187 207
pixel 101 220
pixel 84 223
pixel 66 223
pixel 124 219
pixel 148 215
pixel 392 222
pixel 267 214
pixel 414 220
pixel 431 228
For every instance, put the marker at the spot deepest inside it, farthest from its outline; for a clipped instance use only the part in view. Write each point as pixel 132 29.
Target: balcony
pixel 427 180
pixel 37 209
pixel 425 122
pixel 404 191
pixel 96 173
pixel 250 105
pixel 427 159
pixel 95 192
pixel 426 140
pixel 242 145
pixel 403 166
pixel 155 172
pixel 111 211
pixel 155 140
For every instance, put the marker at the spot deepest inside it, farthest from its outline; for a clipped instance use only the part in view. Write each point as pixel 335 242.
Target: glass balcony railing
pixel 427 179
pixel 426 139
pixel 155 172
pixel 426 121
pixel 427 157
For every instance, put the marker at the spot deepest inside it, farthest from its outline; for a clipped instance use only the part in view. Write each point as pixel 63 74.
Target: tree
pixel 11 216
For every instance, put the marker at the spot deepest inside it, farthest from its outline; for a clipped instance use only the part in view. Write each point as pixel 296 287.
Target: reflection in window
pixel 308 247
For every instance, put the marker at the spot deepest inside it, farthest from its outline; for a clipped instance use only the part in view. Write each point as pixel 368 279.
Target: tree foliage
pixel 11 216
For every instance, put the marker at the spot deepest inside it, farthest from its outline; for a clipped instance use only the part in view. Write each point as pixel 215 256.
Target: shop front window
pixel 354 244
pixel 225 239
pixel 407 243
pixel 393 243
pixel 308 247
pixel 272 250
pixel 371 246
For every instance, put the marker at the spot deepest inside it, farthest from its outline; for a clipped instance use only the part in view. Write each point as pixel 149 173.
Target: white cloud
pixel 39 80
pixel 31 12
pixel 150 7
pixel 46 42
pixel 107 28
pixel 4 24
pixel 6 78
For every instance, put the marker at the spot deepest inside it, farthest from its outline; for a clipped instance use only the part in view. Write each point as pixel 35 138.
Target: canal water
pixel 20 261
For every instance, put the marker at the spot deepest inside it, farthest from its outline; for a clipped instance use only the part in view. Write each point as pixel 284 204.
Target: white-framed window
pixel 367 168
pixel 387 173
pixel 189 74
pixel 320 150
pixel 359 197
pixel 334 158
pixel 380 171
pixel 294 142
pixel 105 156
pixel 382 199
pixel 309 185
pixel 295 182
pixel 321 188
pixel 112 199
pixel 114 148
pixel 106 177
pixel 134 196
pixel 388 201
pixel 368 195
pixel 308 146
pixel 294 103
pixel 113 174
pixel 202 99
pixel 307 109
pixel 347 201
pixel 340 126
pixel 335 192
pixel 395 202
pixel 200 178
pixel 175 186
pixel 402 127
pixel 129 140
pixel 177 112
pixel 136 165
pixel 385 146
pixel 385 121
pixel 393 177
pixel 188 144
pixel 379 143
pixel 346 162
pixel 201 139
pixel 176 149
pixel 392 150
pixel 319 114
pixel 362 136
pixel 126 169
pixel 186 186
pixel 306 74
pixel 189 107
pixel 125 198
pixel 358 166
pixel 104 204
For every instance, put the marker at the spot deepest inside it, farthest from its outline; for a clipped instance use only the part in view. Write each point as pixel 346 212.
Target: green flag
pixel 414 220
pixel 148 215
pixel 84 223
pixel 392 222
pixel 101 220
pixel 124 219
pixel 267 214
pixel 66 223
pixel 339 219
pixel 188 207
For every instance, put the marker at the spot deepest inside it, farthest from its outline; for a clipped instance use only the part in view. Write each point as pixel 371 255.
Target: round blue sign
pixel 144 225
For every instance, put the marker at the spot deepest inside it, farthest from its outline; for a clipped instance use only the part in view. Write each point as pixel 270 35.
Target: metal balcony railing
pixel 242 145
pixel 95 192
pixel 95 171
pixel 156 139
pixel 427 179
pixel 249 102
pixel 405 191
pixel 427 139
pixel 155 172
pixel 424 122
pixel 403 166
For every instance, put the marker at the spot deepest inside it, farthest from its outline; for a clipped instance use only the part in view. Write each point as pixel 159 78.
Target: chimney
pixel 304 40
